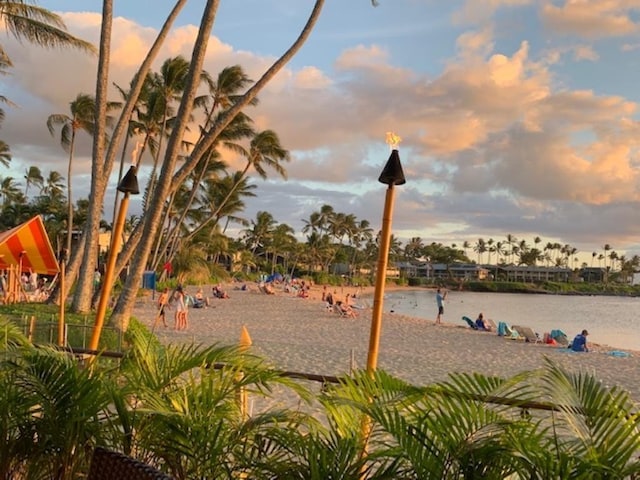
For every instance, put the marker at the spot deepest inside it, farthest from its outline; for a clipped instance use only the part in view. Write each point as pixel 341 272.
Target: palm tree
pixel 33 176
pixel 82 117
pixel 606 249
pixel 53 186
pixel 260 232
pixel 264 151
pixel 5 154
pixel 170 178
pixel 9 191
pixel 24 20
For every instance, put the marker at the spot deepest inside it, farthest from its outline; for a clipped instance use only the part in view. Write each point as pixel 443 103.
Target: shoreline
pixel 301 335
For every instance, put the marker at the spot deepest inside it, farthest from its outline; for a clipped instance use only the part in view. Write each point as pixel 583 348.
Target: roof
pixel 28 243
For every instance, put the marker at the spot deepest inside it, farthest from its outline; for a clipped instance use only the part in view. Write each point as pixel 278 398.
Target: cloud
pixel 480 11
pixel 493 141
pixel 592 18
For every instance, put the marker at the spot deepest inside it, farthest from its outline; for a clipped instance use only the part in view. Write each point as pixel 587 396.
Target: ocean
pixel 610 320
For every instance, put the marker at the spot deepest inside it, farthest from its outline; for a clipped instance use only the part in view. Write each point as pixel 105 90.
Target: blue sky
pixel 517 116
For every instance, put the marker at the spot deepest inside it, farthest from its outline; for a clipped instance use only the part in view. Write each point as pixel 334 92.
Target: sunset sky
pixel 517 116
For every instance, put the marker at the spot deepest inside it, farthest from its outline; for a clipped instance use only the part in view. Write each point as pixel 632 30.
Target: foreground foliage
pixel 170 407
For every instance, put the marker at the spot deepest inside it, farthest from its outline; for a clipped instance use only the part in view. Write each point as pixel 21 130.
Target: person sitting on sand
pixel 346 310
pixel 579 343
pixel 218 292
pixel 481 324
pixel 199 300
pixel 268 289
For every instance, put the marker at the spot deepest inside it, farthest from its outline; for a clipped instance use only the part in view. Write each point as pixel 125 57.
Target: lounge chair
pixel 529 335
pixel 470 322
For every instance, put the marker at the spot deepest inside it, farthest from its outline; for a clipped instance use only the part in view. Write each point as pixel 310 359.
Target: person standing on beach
pixel 181 310
pixel 440 298
pixel 162 305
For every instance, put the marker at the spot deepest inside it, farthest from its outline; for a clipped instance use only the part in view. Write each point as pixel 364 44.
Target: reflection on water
pixel 610 320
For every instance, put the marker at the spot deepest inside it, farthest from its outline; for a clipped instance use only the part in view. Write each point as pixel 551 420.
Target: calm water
pixel 613 321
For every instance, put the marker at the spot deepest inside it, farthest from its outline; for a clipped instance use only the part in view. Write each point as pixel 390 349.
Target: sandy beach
pixel 300 335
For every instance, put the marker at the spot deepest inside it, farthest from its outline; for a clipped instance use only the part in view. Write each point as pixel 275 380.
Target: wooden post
pixel 243 398
pixel 32 328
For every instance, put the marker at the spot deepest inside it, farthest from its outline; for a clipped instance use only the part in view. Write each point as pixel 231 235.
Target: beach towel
pixel 619 353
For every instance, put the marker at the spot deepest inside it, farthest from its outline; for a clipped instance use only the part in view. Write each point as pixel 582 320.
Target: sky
pixel 517 117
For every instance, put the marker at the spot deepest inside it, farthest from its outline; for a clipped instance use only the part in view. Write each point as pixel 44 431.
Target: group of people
pixel 579 343
pixel 181 315
pixel 343 308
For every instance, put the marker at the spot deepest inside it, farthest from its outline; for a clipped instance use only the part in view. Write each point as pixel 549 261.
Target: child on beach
pixel 162 305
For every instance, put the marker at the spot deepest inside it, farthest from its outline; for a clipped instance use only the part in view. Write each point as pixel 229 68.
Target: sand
pixel 300 335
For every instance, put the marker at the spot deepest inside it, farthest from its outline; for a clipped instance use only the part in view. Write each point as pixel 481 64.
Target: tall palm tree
pixel 82 117
pixel 260 232
pixel 166 89
pixel 32 176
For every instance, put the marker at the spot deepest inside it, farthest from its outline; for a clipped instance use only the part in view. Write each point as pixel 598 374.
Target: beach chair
pixel 560 337
pixel 470 322
pixel 528 334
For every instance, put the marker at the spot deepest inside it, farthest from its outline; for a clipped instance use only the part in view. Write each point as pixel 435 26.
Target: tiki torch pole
pixel 391 175
pixel 128 185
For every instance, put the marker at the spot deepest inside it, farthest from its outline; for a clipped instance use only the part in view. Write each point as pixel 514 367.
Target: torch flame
pixel 392 140
pixel 134 154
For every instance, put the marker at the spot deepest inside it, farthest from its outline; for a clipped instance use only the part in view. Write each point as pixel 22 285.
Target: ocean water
pixel 613 321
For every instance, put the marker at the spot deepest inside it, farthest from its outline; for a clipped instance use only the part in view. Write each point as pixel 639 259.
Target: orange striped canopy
pixel 30 244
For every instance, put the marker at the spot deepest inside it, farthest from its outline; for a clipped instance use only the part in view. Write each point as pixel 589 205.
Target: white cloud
pixel 490 130
pixel 592 18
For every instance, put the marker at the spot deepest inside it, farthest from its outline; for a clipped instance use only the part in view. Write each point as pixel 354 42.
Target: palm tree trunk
pixel 69 191
pixel 101 169
pixel 82 298
pixel 163 187
pixel 127 299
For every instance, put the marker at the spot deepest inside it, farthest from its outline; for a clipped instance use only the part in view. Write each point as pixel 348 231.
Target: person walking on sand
pixel 163 299
pixel 440 298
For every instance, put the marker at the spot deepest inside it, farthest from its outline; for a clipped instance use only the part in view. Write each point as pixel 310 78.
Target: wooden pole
pixel 107 282
pixel 243 398
pixel 381 276
pixel 63 301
